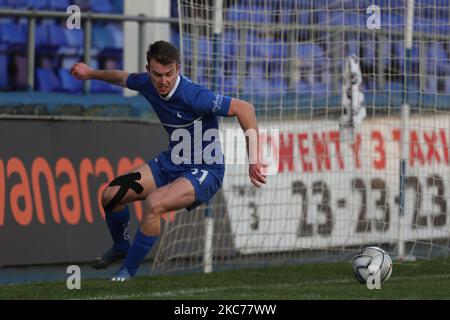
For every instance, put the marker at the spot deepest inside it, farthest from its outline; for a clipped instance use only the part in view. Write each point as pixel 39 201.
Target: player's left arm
pixel 245 112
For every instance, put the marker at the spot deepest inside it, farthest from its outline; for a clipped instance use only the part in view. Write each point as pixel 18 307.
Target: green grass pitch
pixel 423 279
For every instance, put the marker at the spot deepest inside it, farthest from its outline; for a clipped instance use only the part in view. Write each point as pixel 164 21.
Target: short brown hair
pixel 164 52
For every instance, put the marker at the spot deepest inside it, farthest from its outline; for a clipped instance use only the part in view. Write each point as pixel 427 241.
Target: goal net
pixel 356 127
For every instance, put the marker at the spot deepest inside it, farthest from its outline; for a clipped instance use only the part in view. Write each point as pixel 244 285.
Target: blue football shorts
pixel 206 180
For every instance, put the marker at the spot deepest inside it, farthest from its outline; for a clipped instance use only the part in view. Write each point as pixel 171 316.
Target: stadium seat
pixel 310 54
pixel 437 52
pixel 237 14
pixel 369 84
pixel 3 71
pixel 352 47
pixel 47 80
pixel 102 6
pixel 227 85
pixel 13 33
pixel 278 84
pixel 57 36
pixel 116 31
pixel 431 85
pixel 230 42
pixel 399 49
pixel 204 48
pixel 102 38
pixel 319 89
pixel 38 4
pixel 395 21
pixel 104 87
pixel 340 18
pixel 259 16
pixel 59 5
pixel 287 16
pixel 42 35
pixel 74 37
pixel 369 52
pixel 117 6
pixel 447 85
pixel 303 87
pixel 175 38
pixel 17 4
pixel 256 81
pixel 393 87
pixel 69 83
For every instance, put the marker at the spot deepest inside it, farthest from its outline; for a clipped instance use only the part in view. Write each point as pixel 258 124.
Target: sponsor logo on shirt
pixel 217 102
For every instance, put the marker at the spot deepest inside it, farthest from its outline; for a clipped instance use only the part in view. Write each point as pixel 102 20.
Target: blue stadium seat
pixel 369 84
pixel 116 31
pixel 102 6
pixel 287 15
pixel 278 84
pixel 13 33
pixel 204 47
pixel 175 39
pixel 47 80
pixel 230 42
pixel 98 86
pixel 59 5
pixel 352 47
pixel 256 81
pixel 399 49
pixel 259 16
pixel 38 4
pixel 447 85
pixel 42 35
pixel 277 50
pixel 394 21
pixel 227 85
pixel 17 4
pixel 69 83
pixel 117 6
pixel 394 87
pixel 303 87
pixel 309 51
pixel 437 59
pixel 320 89
pixel 57 36
pixel 74 37
pixel 102 38
pixel 369 52
pixel 431 85
pixel 237 13
pixel 3 71
pixel 346 18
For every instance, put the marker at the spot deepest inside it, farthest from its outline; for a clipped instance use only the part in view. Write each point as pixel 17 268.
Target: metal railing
pixel 86 20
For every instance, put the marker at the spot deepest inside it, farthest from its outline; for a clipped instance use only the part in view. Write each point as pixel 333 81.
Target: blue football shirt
pixel 189 110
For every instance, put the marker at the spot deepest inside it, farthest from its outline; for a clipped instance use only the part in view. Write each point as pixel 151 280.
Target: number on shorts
pixel 203 177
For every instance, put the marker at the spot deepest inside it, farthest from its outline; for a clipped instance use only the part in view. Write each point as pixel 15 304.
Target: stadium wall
pixel 51 177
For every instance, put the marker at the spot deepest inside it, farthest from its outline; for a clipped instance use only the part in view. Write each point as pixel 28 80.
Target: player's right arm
pixel 82 71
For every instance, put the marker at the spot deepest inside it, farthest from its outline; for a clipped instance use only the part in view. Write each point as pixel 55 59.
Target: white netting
pixel 337 186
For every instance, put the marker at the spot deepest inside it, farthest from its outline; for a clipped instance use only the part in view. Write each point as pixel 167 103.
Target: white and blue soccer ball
pixel 369 261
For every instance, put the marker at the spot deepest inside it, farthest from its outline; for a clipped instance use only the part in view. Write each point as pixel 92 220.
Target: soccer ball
pixel 369 261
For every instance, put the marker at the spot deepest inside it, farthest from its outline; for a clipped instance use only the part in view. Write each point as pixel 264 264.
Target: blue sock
pixel 118 227
pixel 141 246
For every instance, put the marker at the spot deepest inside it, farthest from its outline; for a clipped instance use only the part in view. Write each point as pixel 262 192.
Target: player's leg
pixel 134 185
pixel 175 196
pixel 190 190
